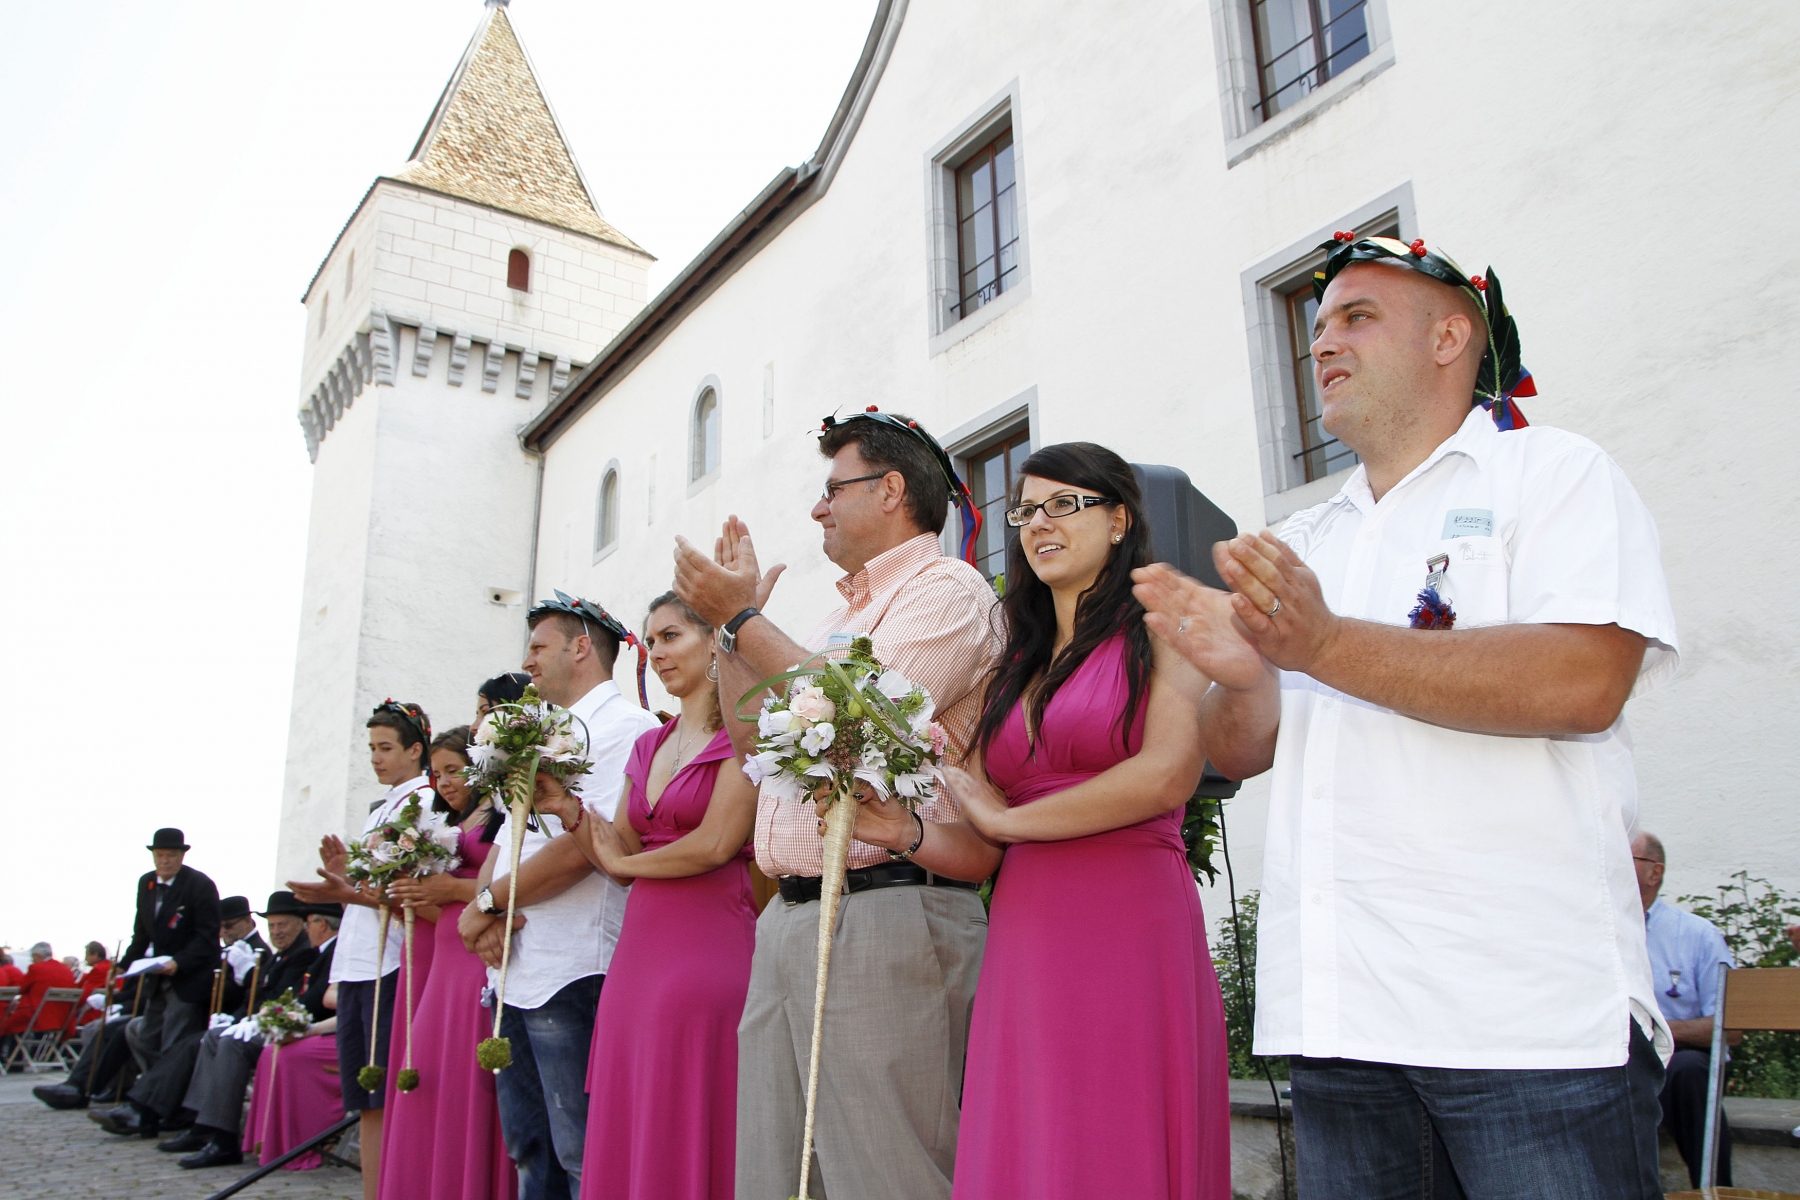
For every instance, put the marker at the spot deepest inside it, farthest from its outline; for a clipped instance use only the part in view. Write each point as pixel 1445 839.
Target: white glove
pixel 96 1001
pixel 219 1021
pixel 243 1031
pixel 241 956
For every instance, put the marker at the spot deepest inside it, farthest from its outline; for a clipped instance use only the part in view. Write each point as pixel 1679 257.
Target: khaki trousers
pixel 904 964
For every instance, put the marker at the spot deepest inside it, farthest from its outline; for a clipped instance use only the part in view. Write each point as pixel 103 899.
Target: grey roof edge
pixel 748 233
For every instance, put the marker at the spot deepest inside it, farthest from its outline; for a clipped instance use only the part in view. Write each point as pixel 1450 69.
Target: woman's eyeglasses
pixel 833 487
pixel 1065 505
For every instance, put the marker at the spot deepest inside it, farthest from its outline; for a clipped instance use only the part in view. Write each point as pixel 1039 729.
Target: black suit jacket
pixel 283 971
pixel 317 979
pixel 187 929
pixel 233 994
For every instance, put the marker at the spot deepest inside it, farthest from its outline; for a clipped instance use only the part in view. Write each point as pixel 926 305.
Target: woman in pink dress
pixel 1097 1059
pixel 441 1141
pixel 662 1072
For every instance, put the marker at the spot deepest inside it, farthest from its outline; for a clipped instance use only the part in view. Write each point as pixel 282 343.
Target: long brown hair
pixel 1106 608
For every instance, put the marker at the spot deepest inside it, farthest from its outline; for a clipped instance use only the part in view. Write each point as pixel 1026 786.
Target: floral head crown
pixel 412 714
pixel 959 491
pixel 586 611
pixel 1501 376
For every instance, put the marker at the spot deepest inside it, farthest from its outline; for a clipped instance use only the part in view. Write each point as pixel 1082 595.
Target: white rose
pixel 812 705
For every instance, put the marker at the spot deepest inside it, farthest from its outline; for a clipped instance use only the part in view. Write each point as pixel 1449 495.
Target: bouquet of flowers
pixel 513 743
pixel 842 722
pixel 404 846
pixel 280 1017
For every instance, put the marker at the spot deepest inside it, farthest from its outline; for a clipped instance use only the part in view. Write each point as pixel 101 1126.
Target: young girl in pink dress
pixel 441 1141
pixel 1097 1060
pixel 662 1071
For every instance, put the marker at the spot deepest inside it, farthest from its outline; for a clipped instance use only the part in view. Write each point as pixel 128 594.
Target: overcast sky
pixel 171 175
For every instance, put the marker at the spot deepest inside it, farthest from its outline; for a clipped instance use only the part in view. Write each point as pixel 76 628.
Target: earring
pixel 1117 538
pixel 712 670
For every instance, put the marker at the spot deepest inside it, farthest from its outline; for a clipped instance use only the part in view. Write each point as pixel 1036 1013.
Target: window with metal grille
pixel 1300 44
pixel 993 476
pixel 606 520
pixel 1320 454
pixel 987 225
pixel 518 271
pixel 704 459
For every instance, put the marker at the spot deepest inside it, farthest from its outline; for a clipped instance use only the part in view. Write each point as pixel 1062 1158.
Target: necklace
pixel 681 745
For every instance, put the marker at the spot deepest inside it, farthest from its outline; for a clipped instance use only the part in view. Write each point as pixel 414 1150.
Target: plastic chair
pixel 1751 999
pixel 42 1048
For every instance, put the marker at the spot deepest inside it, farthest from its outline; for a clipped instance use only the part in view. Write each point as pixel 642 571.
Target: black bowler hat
pixel 234 908
pixel 168 839
pixel 325 910
pixel 284 904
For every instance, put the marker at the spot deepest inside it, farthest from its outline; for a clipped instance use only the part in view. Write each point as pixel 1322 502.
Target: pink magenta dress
pixel 442 1141
pixel 1097 1061
pixel 294 1099
pixel 662 1072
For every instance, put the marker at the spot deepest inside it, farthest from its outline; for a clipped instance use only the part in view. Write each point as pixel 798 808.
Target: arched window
pixel 703 460
pixel 518 271
pixel 606 517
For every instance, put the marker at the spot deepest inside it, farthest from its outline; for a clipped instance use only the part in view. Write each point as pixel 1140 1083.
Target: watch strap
pixel 729 631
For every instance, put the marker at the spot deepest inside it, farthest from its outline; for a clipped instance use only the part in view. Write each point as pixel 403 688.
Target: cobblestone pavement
pixel 51 1155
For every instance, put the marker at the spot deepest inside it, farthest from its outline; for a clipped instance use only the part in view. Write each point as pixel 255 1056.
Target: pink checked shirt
pixel 936 621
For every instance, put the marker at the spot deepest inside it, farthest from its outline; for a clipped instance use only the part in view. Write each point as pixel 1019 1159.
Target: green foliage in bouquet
pixel 405 845
pixel 282 1017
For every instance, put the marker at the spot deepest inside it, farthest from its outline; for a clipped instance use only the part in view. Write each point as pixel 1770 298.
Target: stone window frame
pixel 943 283
pixel 1234 54
pixel 699 482
pixel 602 510
pixel 972 437
pixel 1285 490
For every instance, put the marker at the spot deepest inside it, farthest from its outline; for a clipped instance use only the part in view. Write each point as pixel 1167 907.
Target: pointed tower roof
pixel 492 139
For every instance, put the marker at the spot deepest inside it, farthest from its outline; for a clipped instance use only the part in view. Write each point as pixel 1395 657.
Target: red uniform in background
pixel 39 979
pixel 11 976
pixel 91 982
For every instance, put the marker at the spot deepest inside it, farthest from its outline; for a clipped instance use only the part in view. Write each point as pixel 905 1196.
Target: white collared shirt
pixel 360 930
pixel 571 936
pixel 1439 898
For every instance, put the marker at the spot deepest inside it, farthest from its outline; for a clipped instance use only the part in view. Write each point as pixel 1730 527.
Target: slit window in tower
pixel 518 271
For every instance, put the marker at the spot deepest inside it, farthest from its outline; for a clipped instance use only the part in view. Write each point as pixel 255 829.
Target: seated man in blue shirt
pixel 1686 952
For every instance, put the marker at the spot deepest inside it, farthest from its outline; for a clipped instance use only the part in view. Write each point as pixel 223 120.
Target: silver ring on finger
pixel 1271 613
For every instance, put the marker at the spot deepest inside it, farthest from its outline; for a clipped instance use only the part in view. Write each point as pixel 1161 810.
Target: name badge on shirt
pixel 1468 522
pixel 839 641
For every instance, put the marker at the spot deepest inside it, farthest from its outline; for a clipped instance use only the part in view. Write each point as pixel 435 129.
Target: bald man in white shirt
pixel 1434 664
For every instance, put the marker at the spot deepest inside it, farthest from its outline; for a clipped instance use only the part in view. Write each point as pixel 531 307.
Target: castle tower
pixel 461 294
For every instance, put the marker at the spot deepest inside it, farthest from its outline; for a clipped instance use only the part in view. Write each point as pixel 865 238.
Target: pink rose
pixel 813 706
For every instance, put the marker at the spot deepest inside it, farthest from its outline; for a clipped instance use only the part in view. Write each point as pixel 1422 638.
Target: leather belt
pixel 798 889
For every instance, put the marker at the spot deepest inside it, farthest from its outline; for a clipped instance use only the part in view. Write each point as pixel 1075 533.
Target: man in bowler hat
pixel 177 917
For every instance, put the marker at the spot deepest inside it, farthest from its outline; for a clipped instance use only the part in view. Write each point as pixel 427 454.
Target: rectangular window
pixel 993 476
pixel 1319 454
pixel 1300 45
pixel 987 225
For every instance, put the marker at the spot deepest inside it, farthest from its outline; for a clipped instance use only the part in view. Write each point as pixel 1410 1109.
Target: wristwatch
pixel 729 631
pixel 484 902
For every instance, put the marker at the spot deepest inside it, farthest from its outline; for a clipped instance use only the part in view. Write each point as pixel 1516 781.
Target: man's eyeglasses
pixel 832 487
pixel 1067 504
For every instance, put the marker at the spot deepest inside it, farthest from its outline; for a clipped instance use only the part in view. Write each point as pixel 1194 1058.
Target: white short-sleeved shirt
pixel 359 936
pixel 1439 898
pixel 571 935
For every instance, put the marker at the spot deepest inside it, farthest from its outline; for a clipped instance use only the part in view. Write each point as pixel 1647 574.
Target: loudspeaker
pixel 1184 524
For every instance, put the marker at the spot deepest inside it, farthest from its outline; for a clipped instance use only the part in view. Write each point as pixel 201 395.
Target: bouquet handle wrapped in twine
pixel 495 1053
pixel 408 1079
pixel 371 1077
pixel 840 821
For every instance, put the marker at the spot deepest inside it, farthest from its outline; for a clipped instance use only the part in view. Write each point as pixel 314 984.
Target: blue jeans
pixel 543 1094
pixel 1375 1131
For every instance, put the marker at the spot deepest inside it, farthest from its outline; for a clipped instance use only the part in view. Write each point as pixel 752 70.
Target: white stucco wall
pixel 1630 178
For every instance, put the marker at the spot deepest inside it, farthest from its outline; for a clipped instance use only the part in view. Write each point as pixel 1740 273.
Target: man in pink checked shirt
pixel 908 945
